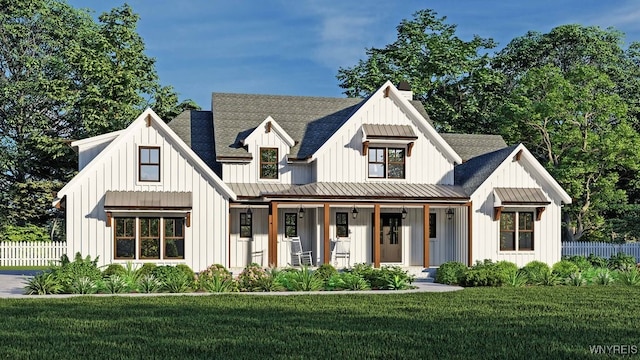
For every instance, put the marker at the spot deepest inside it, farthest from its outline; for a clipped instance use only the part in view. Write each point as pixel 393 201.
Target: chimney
pixel 405 89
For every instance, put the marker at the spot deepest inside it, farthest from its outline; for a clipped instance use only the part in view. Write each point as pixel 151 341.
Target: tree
pixel 63 76
pixel 448 75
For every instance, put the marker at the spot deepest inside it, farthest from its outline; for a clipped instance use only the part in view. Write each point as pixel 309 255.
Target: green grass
pixel 490 323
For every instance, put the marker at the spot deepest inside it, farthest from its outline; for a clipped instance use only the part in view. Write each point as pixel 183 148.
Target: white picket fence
pixel 605 250
pixel 30 253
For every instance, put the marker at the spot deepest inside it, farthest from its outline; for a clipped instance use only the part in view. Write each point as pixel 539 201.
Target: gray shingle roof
pixel 472 173
pixel 338 191
pixel 195 128
pixel 471 145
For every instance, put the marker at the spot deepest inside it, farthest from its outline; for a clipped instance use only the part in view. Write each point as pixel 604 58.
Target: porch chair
pixel 299 257
pixel 341 249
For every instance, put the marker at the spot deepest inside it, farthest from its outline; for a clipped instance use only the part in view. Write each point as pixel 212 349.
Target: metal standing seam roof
pixel 148 200
pixel 382 131
pixel 398 191
pixel 521 196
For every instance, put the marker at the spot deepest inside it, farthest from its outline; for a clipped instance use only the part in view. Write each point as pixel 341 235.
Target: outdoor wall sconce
pixel 301 212
pixel 449 213
pixel 354 212
pixel 404 213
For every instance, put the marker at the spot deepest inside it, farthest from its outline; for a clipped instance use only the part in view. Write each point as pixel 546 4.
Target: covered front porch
pixel 407 234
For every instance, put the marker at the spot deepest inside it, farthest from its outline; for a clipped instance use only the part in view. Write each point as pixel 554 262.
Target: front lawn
pixel 532 322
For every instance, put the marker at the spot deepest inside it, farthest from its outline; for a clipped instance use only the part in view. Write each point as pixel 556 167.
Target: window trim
pixel 137 238
pixel 516 231
pixel 339 225
pixel 295 225
pixel 267 163
pixel 386 163
pixel 247 221
pixel 141 164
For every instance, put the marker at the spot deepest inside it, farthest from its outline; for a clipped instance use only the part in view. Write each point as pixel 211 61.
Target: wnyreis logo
pixel 614 349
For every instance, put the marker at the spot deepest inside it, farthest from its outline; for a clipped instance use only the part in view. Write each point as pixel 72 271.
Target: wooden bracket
pixel 386 91
pixel 268 126
pixel 365 148
pixel 148 120
pixel 497 212
pixel 409 148
pixel 188 219
pixel 108 218
pixel 539 211
pixel 518 155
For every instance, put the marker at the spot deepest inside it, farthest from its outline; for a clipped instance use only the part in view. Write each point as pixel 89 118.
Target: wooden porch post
pixel 376 235
pixel 469 233
pixel 273 234
pixel 327 246
pixel 425 236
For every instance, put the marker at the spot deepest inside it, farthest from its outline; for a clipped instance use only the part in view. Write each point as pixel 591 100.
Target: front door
pixel 390 238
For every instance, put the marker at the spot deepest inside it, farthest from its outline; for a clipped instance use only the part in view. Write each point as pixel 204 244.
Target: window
pixel 516 231
pixel 290 225
pixel 149 164
pixel 432 226
pixel 342 224
pixel 386 163
pixel 268 163
pixel 246 225
pixel 157 238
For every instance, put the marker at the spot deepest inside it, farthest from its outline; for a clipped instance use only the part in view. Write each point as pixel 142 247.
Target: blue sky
pixel 295 47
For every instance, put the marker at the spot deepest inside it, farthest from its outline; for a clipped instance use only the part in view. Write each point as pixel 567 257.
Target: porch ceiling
pixel 352 191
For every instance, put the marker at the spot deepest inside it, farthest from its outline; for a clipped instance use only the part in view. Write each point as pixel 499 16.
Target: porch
pixel 407 234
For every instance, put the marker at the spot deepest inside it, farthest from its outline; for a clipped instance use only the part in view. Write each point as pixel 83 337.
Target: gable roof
pixel 195 128
pixel 309 121
pixel 469 146
pixel 473 173
pixel 148 116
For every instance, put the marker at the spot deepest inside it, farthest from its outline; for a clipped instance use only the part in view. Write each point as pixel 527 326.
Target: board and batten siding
pixel 87 233
pixel 343 161
pixel 486 230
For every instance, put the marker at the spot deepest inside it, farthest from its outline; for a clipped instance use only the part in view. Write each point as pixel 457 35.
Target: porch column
pixel 425 236
pixel 376 235
pixel 273 234
pixel 327 246
pixel 469 233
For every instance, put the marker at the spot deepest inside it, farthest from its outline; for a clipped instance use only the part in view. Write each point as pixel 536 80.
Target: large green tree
pixel 64 76
pixel 448 75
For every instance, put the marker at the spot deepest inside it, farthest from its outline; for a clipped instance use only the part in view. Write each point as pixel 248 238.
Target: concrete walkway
pixel 12 286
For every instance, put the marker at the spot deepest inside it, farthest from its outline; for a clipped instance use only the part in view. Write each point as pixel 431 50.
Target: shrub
pixel 252 278
pixel 174 279
pixel 621 261
pixel 68 272
pixel 604 277
pixel 113 269
pixel 576 279
pixel 548 278
pixel 114 284
pixel 380 278
pixel 43 284
pixel 300 280
pixel 451 272
pixel 629 277
pixel 534 271
pixel 597 261
pixel 215 272
pixel 84 285
pixel 347 281
pixel 488 273
pixel 565 268
pixel 186 270
pixel 325 271
pixel 145 269
pixel 149 284
pixel 581 262
pixel 517 279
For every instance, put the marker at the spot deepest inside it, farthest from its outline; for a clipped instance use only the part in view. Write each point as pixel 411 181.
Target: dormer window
pixel 386 163
pixel 268 163
pixel 149 164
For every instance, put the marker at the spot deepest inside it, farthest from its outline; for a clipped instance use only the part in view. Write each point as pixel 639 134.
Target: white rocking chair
pixel 341 250
pixel 299 257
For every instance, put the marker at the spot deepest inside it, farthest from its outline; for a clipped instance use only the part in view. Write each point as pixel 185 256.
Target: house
pixel 235 184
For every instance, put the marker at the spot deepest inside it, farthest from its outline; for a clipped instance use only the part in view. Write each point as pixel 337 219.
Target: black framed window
pixel 516 231
pixel 387 163
pixel 290 224
pixel 246 225
pixel 173 238
pixel 149 163
pixel 268 163
pixel 125 238
pixel 342 224
pixel 148 238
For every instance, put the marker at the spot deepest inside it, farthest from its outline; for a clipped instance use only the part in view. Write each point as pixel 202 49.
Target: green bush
pixel 300 280
pixel 597 261
pixel 186 270
pixel 145 269
pixel 576 279
pixel 253 278
pixel 581 262
pixel 621 261
pixel 630 277
pixel 113 269
pixel 28 232
pixel 215 273
pixel 535 271
pixel 43 284
pixel 451 273
pixel 488 273
pixel 604 277
pixel 347 281
pixel 149 284
pixel 381 278
pixel 114 284
pixel 69 273
pixel 325 271
pixel 564 268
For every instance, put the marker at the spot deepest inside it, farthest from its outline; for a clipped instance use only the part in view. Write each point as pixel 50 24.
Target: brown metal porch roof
pixel 380 131
pixel 335 191
pixel 147 200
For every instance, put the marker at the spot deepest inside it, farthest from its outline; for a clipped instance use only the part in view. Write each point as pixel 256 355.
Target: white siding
pixel 205 240
pixel 87 152
pixel 426 164
pixel 486 231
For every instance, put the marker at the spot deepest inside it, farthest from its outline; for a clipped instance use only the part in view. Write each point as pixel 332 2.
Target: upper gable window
pixel 387 163
pixel 149 163
pixel 268 163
